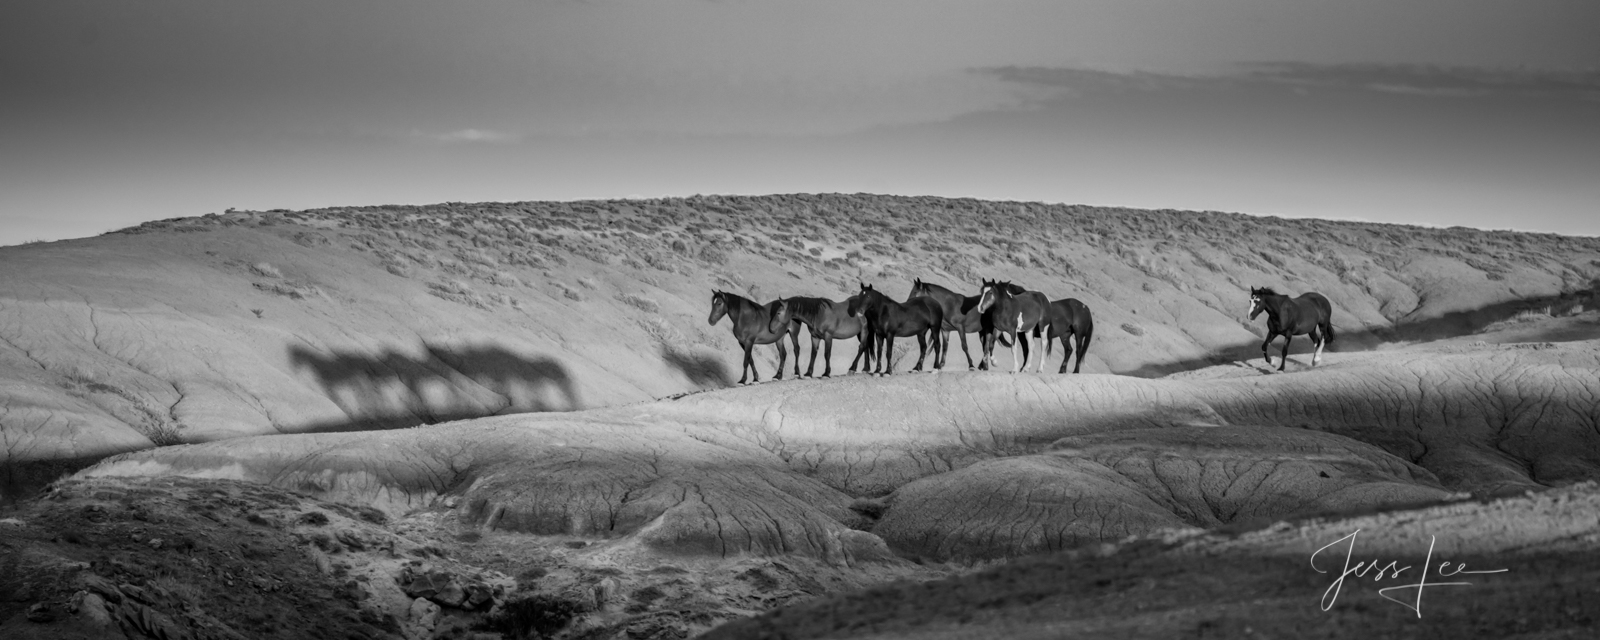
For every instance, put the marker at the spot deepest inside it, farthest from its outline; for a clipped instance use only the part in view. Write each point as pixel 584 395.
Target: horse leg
pixel 794 338
pixel 922 351
pixel 1066 351
pixel 1287 338
pixel 749 365
pixel 1321 340
pixel 1083 347
pixel 1016 344
pixel 966 352
pixel 1265 344
pixel 1041 334
pixel 811 368
pixel 886 359
pixel 783 356
pixel 827 358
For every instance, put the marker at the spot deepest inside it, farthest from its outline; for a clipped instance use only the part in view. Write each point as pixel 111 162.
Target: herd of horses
pixel 1000 312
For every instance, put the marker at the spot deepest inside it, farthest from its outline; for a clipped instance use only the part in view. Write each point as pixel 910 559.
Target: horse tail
pixel 1327 316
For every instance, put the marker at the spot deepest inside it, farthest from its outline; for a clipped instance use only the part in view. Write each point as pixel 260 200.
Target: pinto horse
pixel 826 320
pixel 1069 319
pixel 961 315
pixel 1022 313
pixel 1310 314
pixel 887 320
pixel 752 325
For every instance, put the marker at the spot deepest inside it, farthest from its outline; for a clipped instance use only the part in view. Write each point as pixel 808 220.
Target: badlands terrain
pixel 512 420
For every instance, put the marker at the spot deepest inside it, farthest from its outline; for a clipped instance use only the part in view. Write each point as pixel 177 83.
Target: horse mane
pixel 734 300
pixel 805 307
pixel 931 287
pixel 1266 291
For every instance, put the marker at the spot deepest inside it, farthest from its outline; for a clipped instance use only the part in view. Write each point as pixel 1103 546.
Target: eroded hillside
pixel 674 515
pixel 244 323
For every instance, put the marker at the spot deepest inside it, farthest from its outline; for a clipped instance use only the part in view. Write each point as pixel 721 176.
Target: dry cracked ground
pixel 511 421
pixel 670 518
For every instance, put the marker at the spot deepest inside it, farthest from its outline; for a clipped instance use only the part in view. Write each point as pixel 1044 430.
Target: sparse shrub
pixel 458 292
pixel 588 284
pixel 639 302
pixel 713 254
pixel 292 290
pixel 1133 329
pixel 662 331
pixel 265 270
pixel 397 269
pixel 503 279
pixel 569 292
pixel 307 238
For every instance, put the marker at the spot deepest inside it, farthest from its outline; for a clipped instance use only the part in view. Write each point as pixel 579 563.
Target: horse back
pixel 1320 303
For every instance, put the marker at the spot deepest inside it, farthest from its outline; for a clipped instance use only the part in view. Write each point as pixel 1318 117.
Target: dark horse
pixel 827 320
pixel 751 326
pixel 1310 314
pixel 1023 314
pixel 887 320
pixel 1069 319
pixel 961 315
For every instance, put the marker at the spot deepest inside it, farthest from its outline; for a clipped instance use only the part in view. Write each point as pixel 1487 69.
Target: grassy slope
pixel 182 330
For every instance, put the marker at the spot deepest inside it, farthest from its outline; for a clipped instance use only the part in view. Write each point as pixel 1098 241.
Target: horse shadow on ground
pixel 395 389
pixel 703 371
pixel 1450 325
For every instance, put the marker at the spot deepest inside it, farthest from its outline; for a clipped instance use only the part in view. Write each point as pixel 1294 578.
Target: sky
pixel 1481 113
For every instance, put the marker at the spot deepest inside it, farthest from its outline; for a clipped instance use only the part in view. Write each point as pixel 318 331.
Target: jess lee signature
pixel 1392 570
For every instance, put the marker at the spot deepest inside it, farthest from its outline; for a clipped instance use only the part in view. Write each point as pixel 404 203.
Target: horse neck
pixel 740 307
pixel 1275 305
pixel 938 292
pixel 876 305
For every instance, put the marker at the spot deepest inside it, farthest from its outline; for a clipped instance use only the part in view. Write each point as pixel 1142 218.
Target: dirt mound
pixel 180 558
pixel 205 558
pixel 1107 486
pixel 221 326
pixel 774 469
pixel 1538 553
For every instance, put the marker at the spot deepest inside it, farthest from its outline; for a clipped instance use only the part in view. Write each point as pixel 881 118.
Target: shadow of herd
pixel 1000 312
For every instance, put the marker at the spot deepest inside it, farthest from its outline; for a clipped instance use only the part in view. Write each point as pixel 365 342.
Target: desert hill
pixel 679 514
pixel 226 325
pixel 1539 550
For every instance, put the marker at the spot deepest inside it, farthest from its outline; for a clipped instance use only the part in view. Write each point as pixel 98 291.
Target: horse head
pixel 1256 300
pixel 991 292
pixel 860 302
pixel 719 306
pixel 918 288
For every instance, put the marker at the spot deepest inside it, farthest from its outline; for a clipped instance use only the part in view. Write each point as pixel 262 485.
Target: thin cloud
pixel 1400 79
pixel 468 136
pixel 1432 81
